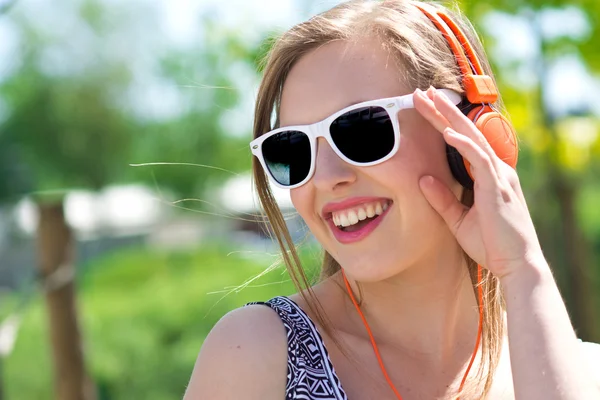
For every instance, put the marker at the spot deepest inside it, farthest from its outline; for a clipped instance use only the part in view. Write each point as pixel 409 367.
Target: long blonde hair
pixel 425 60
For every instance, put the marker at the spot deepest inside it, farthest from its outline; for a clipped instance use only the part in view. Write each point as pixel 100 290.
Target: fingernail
pixel 427 180
pixel 420 93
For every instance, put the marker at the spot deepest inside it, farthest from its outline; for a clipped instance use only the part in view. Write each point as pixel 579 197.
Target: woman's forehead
pixel 337 75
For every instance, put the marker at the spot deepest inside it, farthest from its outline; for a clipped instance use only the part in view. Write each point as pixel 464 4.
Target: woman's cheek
pixel 301 200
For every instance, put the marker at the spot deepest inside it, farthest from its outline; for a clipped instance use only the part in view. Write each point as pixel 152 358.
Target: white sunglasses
pixel 363 134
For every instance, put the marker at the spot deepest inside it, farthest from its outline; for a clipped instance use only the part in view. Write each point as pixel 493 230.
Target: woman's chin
pixel 376 270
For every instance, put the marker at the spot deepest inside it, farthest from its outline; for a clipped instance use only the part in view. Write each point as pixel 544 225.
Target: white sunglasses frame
pixel 392 105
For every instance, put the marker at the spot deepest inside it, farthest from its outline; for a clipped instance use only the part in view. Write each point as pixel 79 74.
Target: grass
pixel 144 315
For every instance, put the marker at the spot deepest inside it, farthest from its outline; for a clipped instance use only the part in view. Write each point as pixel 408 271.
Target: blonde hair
pixel 424 59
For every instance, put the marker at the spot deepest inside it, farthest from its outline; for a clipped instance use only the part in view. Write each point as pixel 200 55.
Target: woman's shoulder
pixel 591 356
pixel 590 345
pixel 248 343
pixel 590 350
pixel 252 322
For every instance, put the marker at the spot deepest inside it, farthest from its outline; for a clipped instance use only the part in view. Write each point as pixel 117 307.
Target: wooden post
pixel 55 260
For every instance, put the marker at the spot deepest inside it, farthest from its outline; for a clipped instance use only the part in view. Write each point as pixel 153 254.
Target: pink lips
pixel 351 237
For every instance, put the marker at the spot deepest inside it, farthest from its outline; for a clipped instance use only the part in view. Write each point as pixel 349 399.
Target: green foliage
pixel 77 124
pixel 205 79
pixel 11 165
pixel 66 131
pixel 64 125
pixel 145 315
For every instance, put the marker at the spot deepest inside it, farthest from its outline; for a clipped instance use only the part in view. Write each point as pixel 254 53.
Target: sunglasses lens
pixel 364 135
pixel 287 156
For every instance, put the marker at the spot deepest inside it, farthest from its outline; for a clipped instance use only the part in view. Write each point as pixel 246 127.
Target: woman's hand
pixel 497 232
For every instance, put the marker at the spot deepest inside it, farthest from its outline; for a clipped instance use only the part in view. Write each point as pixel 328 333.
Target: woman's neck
pixel 428 312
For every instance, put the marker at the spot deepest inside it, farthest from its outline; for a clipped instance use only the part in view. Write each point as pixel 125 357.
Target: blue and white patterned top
pixel 310 374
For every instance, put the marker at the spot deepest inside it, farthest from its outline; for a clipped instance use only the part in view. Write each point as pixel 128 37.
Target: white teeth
pixel 362 214
pixel 352 216
pixel 344 220
pixel 370 211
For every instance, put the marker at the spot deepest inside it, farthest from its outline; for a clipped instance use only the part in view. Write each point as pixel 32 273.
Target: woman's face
pixel 326 80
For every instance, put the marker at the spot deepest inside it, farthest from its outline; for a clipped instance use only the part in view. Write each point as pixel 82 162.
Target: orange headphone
pixel 480 89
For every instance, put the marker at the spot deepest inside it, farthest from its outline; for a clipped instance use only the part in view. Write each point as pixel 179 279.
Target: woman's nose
pixel 331 171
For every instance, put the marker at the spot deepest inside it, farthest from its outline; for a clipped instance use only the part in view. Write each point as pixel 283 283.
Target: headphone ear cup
pixel 501 135
pixel 459 167
pixel 498 132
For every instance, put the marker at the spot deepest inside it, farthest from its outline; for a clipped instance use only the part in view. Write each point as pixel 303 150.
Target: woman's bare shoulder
pixel 243 356
pixel 591 354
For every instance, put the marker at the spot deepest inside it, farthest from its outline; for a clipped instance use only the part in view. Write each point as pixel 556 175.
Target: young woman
pixel 381 118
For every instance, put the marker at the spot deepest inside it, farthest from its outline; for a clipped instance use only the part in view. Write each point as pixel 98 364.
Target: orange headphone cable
pixel 385 374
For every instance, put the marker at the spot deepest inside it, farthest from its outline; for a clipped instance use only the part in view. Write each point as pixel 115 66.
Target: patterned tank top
pixel 310 374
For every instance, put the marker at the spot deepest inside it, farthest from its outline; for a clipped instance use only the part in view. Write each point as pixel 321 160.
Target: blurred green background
pixel 126 212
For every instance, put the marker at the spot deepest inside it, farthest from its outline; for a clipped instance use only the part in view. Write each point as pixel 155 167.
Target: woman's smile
pixel 351 223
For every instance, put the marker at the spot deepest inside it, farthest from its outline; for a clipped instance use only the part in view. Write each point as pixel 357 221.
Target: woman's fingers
pixel 460 123
pixel 460 132
pixel 442 200
pixel 426 108
pixel 482 167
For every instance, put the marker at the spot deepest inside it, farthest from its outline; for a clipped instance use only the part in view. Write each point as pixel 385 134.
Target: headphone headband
pixel 479 87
